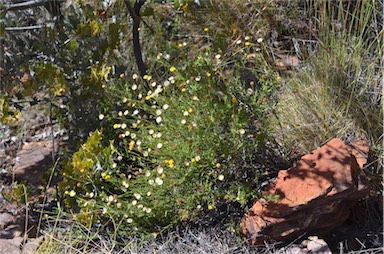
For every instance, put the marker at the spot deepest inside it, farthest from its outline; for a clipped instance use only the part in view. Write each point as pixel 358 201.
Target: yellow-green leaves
pixel 182 4
pixel 89 29
pixel 73 45
pixel 50 75
pixel 100 73
pixel 18 193
pixel 95 27
pixel 85 168
pixel 8 114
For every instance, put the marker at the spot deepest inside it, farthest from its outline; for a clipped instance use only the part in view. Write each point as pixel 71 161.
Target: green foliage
pixel 186 146
pixel 270 198
pixel 84 175
pixel 19 192
pixel 8 114
pixel 67 63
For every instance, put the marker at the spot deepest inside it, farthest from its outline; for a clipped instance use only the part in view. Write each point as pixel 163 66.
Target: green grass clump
pixel 337 92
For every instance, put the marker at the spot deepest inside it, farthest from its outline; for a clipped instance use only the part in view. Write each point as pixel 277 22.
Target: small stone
pixel 10 246
pixel 14 229
pixel 5 220
pixel 31 246
pixel 318 246
pixel 292 250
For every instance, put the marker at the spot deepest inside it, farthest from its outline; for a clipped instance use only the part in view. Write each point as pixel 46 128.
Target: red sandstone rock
pixel 315 195
pixel 32 161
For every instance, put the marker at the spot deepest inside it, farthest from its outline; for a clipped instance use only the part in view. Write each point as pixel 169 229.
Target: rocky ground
pixel 26 156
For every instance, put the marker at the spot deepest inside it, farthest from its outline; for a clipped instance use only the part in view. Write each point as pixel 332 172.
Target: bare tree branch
pixel 28 4
pixel 135 15
pixel 23 28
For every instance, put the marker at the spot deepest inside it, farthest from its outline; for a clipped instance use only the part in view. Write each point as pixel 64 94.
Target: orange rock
pixel 315 195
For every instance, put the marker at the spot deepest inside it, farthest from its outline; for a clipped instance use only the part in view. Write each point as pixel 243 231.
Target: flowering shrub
pixel 181 148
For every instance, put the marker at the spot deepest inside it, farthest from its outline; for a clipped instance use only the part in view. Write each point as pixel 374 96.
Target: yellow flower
pixel 131 145
pixel 107 177
pixel 138 29
pixel 104 174
pixel 233 100
pixel 247 43
pixel 172 69
pixel 206 29
pixel 190 110
pixel 218 165
pixel 116 126
pixel 170 163
pixel 193 160
pixel 122 75
pixel 145 77
pixel 210 207
pixel 278 78
pixel 183 89
pixel 208 74
pixel 103 86
pixel 180 45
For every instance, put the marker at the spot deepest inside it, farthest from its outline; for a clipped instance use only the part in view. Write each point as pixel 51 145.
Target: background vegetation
pixel 234 91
